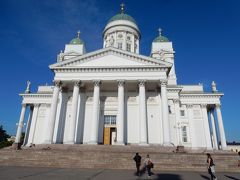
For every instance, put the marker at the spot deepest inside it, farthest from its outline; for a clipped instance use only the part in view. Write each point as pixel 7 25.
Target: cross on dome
pixel 122 8
pixel 159 31
pixel 78 34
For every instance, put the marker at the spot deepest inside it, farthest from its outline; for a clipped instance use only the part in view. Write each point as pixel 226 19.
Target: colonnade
pixel 143 139
pixel 120 114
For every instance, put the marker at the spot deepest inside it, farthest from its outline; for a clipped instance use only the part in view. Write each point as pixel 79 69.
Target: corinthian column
pixel 120 115
pixel 166 130
pixel 95 120
pixel 143 113
pixel 72 127
pixel 53 110
pixel 215 144
pixel 221 127
pixel 20 124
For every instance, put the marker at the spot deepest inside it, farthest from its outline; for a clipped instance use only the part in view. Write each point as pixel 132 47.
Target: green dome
pixel 76 41
pixel 161 38
pixel 122 16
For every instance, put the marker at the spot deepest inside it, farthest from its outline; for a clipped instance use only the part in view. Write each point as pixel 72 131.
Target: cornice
pixel 110 69
pixel 205 95
pixel 36 95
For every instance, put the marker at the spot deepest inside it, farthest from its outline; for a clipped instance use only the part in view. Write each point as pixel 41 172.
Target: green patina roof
pixel 161 38
pixel 122 16
pixel 76 41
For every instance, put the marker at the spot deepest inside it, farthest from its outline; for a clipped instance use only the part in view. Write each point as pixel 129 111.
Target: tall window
pixel 119 45
pixel 184 134
pixel 128 47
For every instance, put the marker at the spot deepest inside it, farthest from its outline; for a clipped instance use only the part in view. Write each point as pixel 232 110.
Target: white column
pixel 192 134
pixel 20 124
pixel 33 124
pixel 53 110
pixel 72 126
pixel 27 133
pixel 206 127
pixel 120 115
pixel 166 129
pixel 178 122
pixel 95 120
pixel 143 113
pixel 221 127
pixel 215 143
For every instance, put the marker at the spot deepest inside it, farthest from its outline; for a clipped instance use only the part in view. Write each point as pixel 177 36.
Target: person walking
pixel 137 158
pixel 211 167
pixel 148 165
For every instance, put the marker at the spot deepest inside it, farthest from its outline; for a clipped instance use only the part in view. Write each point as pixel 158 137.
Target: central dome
pixel 122 32
pixel 122 16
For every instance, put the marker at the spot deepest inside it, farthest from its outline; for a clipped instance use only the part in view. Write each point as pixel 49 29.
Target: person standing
pixel 211 167
pixel 137 158
pixel 148 165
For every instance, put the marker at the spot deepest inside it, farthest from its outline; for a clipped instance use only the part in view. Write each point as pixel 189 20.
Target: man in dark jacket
pixel 137 158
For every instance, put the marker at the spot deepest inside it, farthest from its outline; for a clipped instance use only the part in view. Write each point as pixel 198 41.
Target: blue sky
pixel 205 36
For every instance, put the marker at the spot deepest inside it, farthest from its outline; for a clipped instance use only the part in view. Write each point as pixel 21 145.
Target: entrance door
pixel 113 136
pixel 109 132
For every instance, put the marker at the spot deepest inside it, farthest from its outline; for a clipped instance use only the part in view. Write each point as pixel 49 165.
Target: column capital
pixel 121 82
pixel 218 105
pixel 57 83
pixel 24 104
pixel 163 82
pixel 77 83
pixel 36 104
pixel 96 82
pixel 141 82
pixel 203 105
pixel 189 105
pixel 176 101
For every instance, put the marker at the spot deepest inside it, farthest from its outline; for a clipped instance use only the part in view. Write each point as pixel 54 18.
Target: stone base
pixel 16 146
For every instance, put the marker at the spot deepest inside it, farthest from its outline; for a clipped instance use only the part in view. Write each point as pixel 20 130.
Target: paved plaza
pixel 35 173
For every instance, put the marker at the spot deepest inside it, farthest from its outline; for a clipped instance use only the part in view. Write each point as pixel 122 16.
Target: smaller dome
pixel 160 37
pixel 77 40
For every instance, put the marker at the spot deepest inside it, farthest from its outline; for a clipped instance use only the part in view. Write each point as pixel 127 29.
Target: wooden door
pixel 106 136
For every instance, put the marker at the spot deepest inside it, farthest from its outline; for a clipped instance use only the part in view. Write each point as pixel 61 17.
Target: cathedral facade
pixel 116 96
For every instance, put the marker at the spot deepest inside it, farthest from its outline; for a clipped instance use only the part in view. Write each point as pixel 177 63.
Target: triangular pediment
pixel 110 57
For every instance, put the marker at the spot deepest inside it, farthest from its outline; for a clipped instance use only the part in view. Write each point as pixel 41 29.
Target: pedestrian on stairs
pixel 148 165
pixel 211 167
pixel 137 158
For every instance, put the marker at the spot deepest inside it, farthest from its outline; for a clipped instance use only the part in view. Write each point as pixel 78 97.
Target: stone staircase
pixel 115 157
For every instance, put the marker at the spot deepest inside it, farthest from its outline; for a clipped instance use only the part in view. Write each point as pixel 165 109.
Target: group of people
pixel 148 164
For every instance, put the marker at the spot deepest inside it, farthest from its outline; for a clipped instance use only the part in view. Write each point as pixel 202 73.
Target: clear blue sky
pixel 205 35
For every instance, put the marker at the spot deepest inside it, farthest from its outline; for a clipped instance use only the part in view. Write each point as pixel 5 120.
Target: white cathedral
pixel 116 96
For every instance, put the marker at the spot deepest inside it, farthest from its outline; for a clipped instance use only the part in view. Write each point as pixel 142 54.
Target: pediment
pixel 110 57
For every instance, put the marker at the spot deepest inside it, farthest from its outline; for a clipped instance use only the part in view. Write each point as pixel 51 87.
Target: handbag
pixel 212 168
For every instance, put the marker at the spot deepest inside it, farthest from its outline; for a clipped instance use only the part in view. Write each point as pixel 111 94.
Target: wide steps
pixel 115 157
